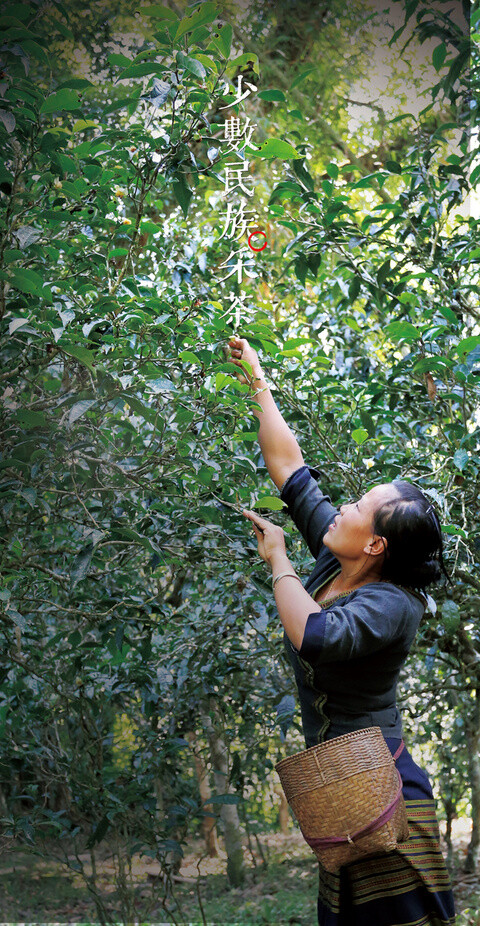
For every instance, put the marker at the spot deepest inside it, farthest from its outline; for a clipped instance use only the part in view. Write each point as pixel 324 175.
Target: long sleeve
pixel 310 510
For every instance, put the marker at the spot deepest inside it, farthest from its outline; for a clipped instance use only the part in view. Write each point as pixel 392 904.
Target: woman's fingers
pixel 270 536
pixel 236 348
pixel 262 523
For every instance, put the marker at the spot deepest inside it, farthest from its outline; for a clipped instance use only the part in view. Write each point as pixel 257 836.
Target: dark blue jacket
pixel 348 665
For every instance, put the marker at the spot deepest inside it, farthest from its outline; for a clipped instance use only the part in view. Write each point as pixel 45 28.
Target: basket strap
pixel 329 842
pixel 399 751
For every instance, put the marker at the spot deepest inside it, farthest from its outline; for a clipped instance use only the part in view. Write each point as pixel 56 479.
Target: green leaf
pixel 402 331
pixel 8 120
pixel 314 260
pixel 272 96
pixel 27 281
pixel 189 357
pixel 191 64
pixel 451 615
pixel 120 61
pixel 332 170
pixel 224 38
pixel 79 409
pixel 30 495
pixel 275 148
pixel 354 289
pixel 301 267
pixel 99 832
pixel 461 458
pixel 66 164
pixel 18 618
pixel 360 435
pixel 160 12
pixel 208 62
pixel 17 323
pixel 138 407
pixel 63 30
pixel 30 419
pixel 81 124
pixel 61 100
pixel 295 342
pixel 368 181
pixel 475 175
pixel 383 272
pixel 286 189
pixel 449 314
pixel 119 530
pixel 183 194
pixel 17 11
pixel 465 346
pixel 81 565
pixel 439 56
pixel 432 365
pixel 142 69
pixel 453 531
pixel 78 352
pixel 246 58
pixel 368 423
pixel 303 74
pixel 205 14
pixel 75 83
pixel 221 380
pixel 271 502
pixel 149 227
pixel 248 436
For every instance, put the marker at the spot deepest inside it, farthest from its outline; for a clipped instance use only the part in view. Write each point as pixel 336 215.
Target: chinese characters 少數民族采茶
pixel 240 218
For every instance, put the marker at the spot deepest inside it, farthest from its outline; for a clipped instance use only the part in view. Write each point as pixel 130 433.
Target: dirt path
pixel 35 890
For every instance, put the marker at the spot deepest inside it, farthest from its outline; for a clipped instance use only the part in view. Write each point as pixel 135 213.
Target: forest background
pixel 145 697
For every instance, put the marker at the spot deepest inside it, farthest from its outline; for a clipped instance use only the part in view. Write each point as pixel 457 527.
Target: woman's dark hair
pixel 414 549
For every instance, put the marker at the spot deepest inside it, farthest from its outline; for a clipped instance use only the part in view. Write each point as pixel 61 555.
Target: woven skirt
pixel 408 887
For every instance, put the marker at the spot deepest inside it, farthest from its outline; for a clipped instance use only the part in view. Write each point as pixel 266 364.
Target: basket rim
pixel 336 742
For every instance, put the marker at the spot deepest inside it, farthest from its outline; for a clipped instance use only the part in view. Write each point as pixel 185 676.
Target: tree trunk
pixel 473 744
pixel 450 814
pixel 283 812
pixel 3 804
pixel 228 812
pixel 208 820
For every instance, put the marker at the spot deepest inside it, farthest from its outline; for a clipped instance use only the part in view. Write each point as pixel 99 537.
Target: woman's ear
pixel 376 546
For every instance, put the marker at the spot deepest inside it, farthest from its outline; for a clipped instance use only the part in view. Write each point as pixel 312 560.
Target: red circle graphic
pixel 257 231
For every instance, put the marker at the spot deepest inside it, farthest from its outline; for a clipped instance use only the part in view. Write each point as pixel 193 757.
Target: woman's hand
pixel 240 350
pixel 270 537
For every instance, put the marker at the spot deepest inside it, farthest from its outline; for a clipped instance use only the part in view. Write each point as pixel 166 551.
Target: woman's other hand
pixel 270 537
pixel 239 350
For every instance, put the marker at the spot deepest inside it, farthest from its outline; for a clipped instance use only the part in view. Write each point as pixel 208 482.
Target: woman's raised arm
pixel 278 444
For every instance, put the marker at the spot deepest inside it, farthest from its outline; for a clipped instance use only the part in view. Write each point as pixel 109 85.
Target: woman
pixel 347 634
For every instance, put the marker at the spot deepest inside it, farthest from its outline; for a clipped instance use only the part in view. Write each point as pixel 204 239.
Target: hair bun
pixel 414 548
pixel 425 573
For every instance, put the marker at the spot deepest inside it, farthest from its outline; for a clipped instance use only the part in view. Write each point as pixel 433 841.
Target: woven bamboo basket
pixel 346 796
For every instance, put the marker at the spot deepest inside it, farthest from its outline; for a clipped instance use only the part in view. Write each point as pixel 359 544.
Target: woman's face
pixel 351 534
